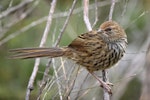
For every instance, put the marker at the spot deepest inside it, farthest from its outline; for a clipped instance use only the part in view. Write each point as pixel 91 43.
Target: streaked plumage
pixel 95 50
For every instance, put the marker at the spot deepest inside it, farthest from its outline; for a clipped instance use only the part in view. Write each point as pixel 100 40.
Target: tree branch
pixel 43 40
pixel 56 44
pixel 111 9
pixel 12 9
pixel 104 72
pixel 86 14
pixel 66 22
pixel 96 14
pixel 41 20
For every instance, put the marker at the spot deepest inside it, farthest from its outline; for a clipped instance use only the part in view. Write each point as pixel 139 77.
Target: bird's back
pixel 93 52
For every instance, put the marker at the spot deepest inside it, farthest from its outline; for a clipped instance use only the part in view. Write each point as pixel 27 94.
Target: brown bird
pixel 95 50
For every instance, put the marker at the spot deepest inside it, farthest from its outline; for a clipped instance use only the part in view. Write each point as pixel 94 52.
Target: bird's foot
pixel 109 83
pixel 106 85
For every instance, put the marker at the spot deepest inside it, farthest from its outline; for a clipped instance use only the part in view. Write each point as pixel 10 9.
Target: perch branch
pixel 104 73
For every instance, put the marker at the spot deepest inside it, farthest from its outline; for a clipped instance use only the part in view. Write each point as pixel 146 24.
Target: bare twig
pixel 66 22
pixel 82 95
pixel 125 8
pixel 67 94
pixel 24 14
pixel 111 9
pixel 106 95
pixel 81 86
pixel 86 14
pixel 44 84
pixel 10 4
pixel 57 81
pixel 49 86
pixel 41 20
pixel 56 43
pixel 18 19
pixel 43 40
pixel 12 9
pixel 13 35
pixel 96 14
pixel 46 73
pixel 136 19
pixel 70 84
pixel 104 73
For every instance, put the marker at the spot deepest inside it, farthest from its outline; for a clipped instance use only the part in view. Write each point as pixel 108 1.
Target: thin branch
pixel 86 14
pixel 96 14
pixel 136 19
pixel 46 72
pixel 111 9
pixel 43 40
pixel 41 20
pixel 106 95
pixel 67 94
pixel 44 80
pixel 81 86
pixel 10 4
pixel 49 21
pixel 56 43
pixel 12 9
pixel 57 80
pixel 83 94
pixel 18 19
pixel 66 22
pixel 48 87
pixel 124 8
pixel 70 85
pixel 13 35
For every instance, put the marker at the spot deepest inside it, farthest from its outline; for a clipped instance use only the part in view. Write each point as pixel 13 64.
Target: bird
pixel 95 50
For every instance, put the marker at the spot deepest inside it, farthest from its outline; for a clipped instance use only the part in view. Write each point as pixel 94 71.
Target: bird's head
pixel 112 29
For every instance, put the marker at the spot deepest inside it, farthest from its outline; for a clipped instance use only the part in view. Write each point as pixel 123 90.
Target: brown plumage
pixel 95 50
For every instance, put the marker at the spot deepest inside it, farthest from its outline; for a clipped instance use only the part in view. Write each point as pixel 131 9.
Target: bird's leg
pixel 103 84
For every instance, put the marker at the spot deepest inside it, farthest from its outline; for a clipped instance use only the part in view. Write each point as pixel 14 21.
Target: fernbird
pixel 95 50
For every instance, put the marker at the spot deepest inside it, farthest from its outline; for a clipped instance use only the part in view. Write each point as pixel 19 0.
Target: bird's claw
pixel 107 87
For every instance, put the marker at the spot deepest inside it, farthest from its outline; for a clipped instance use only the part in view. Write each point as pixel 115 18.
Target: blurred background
pixel 22 23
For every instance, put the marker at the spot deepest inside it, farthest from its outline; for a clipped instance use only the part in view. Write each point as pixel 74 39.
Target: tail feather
pixel 25 53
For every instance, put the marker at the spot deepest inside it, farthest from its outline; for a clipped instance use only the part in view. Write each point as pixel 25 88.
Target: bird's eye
pixel 108 29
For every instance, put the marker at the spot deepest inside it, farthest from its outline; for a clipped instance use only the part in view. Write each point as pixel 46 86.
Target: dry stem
pixel 86 14
pixel 104 73
pixel 56 44
pixel 41 20
pixel 43 40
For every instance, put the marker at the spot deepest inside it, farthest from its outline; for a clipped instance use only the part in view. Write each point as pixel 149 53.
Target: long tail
pixel 26 53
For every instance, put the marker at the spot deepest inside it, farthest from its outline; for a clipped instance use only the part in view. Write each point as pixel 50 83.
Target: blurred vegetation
pixel 14 74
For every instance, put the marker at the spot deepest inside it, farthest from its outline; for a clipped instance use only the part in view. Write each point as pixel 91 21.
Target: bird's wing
pixel 81 43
